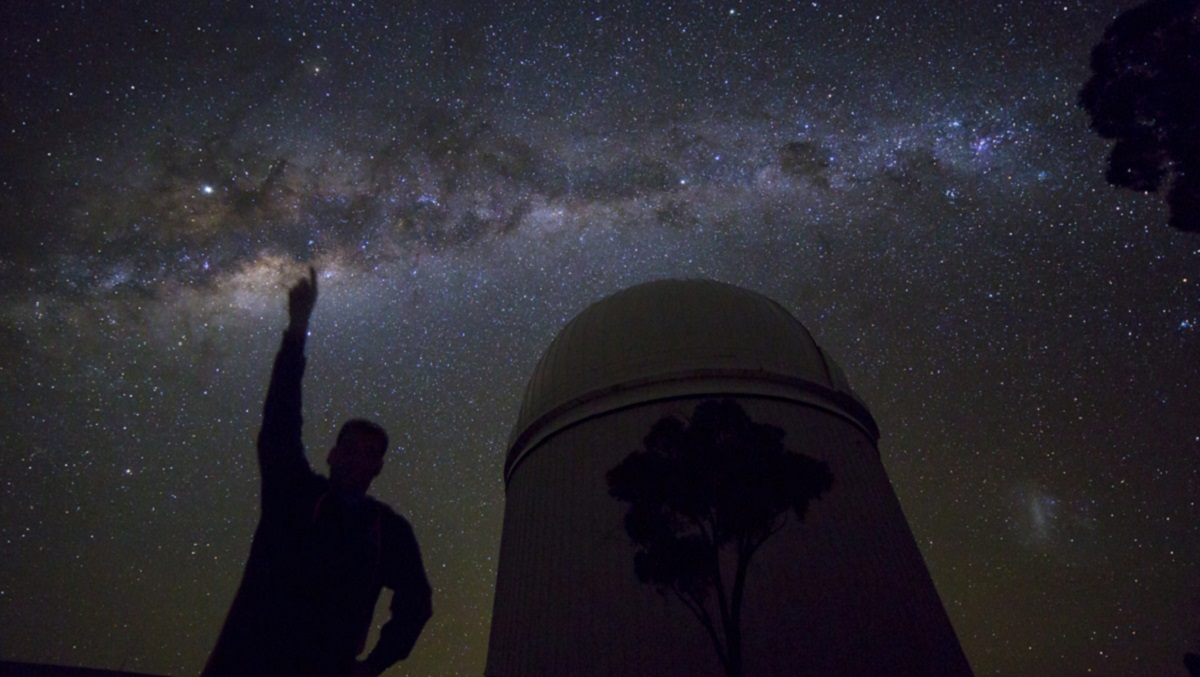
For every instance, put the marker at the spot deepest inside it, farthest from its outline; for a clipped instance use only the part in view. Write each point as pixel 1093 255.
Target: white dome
pixel 675 338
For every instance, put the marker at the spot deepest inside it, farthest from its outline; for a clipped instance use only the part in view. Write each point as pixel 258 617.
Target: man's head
pixel 357 456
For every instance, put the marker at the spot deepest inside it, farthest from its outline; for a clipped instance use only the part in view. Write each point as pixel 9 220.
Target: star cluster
pixel 912 180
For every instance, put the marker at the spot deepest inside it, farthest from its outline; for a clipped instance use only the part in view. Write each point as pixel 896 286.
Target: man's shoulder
pixel 391 519
pixel 386 511
pixel 310 486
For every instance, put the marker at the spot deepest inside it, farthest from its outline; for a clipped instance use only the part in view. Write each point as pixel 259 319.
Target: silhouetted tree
pixel 708 493
pixel 1191 661
pixel 1143 93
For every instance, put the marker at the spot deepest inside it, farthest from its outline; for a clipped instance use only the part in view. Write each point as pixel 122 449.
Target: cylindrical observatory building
pixel 839 589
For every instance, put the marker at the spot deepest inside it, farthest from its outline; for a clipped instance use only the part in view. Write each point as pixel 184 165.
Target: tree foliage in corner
pixel 1144 94
pixel 703 497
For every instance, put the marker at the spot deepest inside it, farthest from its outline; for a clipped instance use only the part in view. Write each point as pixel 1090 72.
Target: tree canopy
pixel 1143 93
pixel 718 483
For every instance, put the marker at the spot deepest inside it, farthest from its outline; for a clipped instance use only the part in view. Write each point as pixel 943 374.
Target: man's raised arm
pixel 280 445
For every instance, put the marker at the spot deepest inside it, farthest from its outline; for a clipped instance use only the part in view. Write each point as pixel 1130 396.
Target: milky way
pixel 913 181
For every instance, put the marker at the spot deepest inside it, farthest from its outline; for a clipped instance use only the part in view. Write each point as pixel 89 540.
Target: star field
pixel 912 180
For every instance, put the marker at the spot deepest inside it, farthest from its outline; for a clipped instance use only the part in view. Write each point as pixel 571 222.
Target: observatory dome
pixel 677 338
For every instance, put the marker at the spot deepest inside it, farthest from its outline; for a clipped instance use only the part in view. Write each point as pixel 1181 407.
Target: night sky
pixel 913 180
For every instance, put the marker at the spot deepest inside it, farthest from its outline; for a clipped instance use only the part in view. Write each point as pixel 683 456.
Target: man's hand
pixel 301 299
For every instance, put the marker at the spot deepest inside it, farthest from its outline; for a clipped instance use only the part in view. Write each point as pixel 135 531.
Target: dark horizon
pixel 15 669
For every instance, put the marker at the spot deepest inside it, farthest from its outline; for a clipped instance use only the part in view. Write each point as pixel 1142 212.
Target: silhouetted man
pixel 323 550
